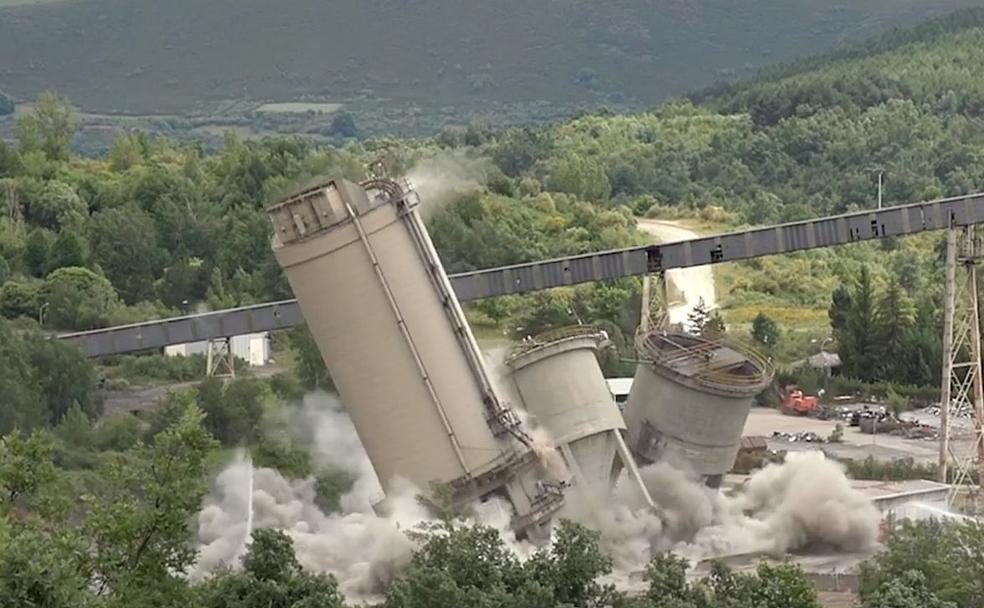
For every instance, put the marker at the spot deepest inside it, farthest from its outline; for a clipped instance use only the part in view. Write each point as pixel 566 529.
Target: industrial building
pixel 559 382
pixel 381 308
pixel 254 349
pixel 689 401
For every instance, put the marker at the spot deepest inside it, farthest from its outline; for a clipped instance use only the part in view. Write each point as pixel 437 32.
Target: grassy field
pixel 431 57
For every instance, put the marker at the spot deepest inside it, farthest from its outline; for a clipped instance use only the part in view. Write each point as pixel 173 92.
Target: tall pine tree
pixel 852 318
pixel 698 318
pixel 894 319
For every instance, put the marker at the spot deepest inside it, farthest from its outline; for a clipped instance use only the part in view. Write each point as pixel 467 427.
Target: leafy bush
pixel 233 410
pixel 286 386
pixel 898 469
pixel 19 298
pixel 179 368
pixel 119 432
pixel 929 558
pixel 310 365
pixel 41 380
pixel 78 298
pixel 271 577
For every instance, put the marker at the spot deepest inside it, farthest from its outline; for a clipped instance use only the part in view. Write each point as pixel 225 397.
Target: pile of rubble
pixel 890 424
pixel 802 437
pixel 964 410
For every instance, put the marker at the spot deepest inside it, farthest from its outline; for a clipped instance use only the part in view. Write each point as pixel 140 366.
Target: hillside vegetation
pixel 139 56
pixel 98 512
pixel 157 227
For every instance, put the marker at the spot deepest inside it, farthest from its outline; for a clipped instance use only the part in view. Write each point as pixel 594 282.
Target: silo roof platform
pixel 716 366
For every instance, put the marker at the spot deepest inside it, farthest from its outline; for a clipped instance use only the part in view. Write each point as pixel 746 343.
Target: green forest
pixel 95 506
pixel 187 57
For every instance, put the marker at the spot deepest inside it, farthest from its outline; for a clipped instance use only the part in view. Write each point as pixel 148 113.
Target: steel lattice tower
pixel 219 360
pixel 654 313
pixel 963 384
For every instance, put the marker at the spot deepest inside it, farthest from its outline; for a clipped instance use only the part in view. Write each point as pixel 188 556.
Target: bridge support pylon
pixel 655 312
pixel 219 360
pixel 962 380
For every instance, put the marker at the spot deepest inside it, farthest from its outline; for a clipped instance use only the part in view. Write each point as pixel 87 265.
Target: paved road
pixel 686 285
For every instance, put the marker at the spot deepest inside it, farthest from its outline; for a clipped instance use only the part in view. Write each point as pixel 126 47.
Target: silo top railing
pixel 556 335
pixel 695 357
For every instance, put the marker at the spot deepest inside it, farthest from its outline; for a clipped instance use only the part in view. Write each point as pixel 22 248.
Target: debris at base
pixel 801 437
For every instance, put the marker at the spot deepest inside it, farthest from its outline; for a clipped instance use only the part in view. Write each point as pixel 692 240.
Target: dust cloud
pixel 445 176
pixel 805 502
pixel 361 548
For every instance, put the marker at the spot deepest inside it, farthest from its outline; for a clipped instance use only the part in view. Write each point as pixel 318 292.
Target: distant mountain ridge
pixel 165 57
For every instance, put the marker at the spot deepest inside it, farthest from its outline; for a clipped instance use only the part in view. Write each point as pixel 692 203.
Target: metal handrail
pixel 552 336
pixel 715 378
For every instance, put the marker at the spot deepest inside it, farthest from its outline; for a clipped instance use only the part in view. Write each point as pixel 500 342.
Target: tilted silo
pixel 558 380
pixel 690 399
pixel 380 307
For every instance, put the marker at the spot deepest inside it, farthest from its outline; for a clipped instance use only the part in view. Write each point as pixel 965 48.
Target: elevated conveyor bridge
pixel 612 265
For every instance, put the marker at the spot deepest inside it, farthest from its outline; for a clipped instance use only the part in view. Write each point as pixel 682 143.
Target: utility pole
pixel 881 173
pixel 949 296
pixel 645 307
pixel 963 383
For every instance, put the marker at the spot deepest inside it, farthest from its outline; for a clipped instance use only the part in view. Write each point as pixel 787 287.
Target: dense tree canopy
pixel 40 380
pixel 49 128
pixel 157 228
pixel 928 563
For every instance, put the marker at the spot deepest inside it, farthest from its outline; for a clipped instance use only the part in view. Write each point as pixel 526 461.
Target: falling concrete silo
pixel 560 383
pixel 380 307
pixel 690 399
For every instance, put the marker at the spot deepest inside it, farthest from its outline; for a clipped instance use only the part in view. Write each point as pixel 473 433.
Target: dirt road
pixel 140 398
pixel 691 284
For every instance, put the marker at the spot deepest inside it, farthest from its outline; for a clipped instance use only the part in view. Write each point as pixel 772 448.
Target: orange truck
pixel 795 403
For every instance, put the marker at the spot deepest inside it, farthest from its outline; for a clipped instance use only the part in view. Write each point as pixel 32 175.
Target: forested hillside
pixel 95 507
pixel 170 57
pixel 157 227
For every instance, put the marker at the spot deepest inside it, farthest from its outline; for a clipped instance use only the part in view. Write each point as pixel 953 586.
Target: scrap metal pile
pixel 964 410
pixel 801 437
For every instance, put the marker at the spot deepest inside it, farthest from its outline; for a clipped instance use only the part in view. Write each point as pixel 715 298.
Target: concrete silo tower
pixel 690 399
pixel 557 378
pixel 380 307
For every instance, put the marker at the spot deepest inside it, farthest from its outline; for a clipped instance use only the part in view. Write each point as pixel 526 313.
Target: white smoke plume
pixel 803 503
pixel 446 175
pixel 362 549
pixel 806 502
pixel 322 424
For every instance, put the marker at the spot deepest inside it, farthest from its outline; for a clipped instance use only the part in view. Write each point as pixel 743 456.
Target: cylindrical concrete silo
pixel 559 382
pixel 690 399
pixel 406 366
